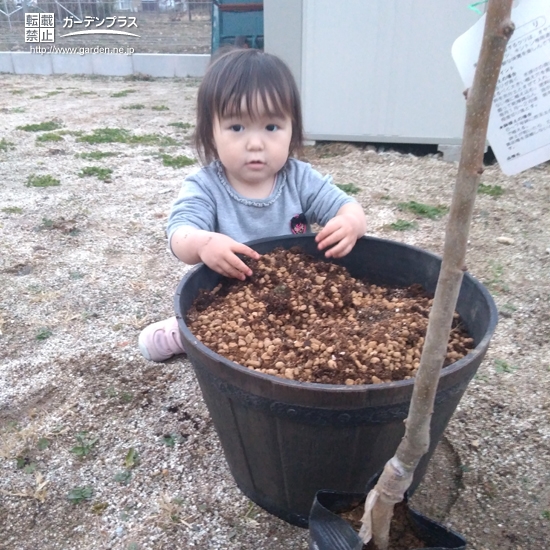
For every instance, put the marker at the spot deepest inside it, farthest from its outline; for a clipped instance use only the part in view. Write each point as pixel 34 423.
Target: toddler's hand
pixel 219 253
pixel 340 231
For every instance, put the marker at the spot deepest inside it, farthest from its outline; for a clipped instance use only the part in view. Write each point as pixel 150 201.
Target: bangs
pixel 258 88
pixel 254 103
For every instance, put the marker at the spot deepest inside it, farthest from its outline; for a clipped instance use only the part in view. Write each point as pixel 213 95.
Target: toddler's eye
pixel 237 127
pixel 271 127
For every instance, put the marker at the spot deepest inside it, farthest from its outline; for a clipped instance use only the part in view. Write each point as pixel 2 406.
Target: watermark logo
pixel 40 27
pixel 101 26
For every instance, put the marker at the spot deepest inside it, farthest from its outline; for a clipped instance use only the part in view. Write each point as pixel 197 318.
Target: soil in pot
pixel 402 535
pixel 308 320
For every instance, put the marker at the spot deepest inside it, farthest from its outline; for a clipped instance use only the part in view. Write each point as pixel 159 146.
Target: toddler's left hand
pixel 340 231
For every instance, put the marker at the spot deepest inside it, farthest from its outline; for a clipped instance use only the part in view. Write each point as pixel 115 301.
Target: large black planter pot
pixel 285 440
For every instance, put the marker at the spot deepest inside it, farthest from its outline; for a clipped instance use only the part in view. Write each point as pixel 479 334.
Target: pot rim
pixel 446 371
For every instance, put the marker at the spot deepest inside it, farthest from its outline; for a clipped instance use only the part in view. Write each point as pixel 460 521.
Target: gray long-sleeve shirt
pixel 300 197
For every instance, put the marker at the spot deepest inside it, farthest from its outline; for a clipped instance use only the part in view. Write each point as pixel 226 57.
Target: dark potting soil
pixel 308 320
pixel 402 536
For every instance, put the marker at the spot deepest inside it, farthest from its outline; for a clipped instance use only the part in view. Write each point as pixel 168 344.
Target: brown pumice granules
pixel 307 320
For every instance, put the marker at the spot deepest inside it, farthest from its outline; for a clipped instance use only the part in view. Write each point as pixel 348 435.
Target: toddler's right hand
pixel 219 253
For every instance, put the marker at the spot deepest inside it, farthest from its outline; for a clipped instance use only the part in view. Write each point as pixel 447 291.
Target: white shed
pixel 374 70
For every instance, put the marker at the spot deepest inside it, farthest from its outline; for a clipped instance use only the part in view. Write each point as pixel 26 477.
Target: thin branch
pixel 398 473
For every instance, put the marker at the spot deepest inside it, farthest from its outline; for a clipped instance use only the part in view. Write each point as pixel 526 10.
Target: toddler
pixel 249 124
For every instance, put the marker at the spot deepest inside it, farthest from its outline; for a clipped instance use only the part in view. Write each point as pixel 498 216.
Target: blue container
pixel 237 22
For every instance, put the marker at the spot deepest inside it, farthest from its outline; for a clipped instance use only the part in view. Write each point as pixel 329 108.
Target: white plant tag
pixel 519 125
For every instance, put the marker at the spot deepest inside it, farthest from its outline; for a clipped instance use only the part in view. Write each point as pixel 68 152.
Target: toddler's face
pixel 252 149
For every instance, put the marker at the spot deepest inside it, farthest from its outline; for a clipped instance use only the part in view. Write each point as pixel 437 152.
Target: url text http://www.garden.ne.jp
pixel 80 50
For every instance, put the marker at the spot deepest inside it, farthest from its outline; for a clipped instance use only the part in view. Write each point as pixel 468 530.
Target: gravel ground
pixel 100 449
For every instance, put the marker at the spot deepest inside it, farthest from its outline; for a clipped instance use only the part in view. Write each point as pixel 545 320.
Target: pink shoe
pixel 161 340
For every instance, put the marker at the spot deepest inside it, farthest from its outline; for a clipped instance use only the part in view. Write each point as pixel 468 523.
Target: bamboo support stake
pixel 398 473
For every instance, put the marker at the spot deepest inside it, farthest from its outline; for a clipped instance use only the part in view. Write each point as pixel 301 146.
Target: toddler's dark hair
pixel 250 74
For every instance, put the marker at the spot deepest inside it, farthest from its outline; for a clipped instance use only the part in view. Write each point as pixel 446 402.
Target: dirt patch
pixel 72 304
pixel 36 403
pixel 310 321
pixel 402 535
pixel 442 483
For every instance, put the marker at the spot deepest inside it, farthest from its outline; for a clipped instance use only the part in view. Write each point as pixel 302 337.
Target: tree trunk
pixel 398 472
